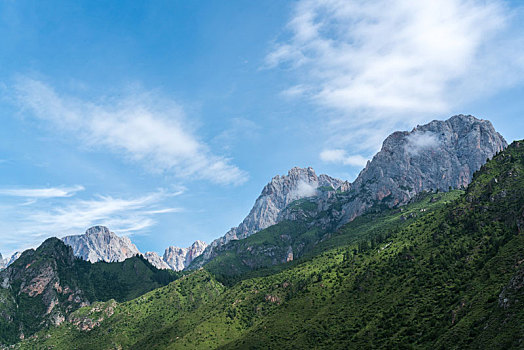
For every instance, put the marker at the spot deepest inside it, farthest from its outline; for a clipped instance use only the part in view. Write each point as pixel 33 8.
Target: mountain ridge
pixel 435 156
pixel 449 277
pixel 98 243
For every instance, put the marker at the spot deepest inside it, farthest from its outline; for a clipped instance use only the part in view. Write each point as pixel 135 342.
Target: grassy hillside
pixel 44 285
pixel 449 277
pixel 265 252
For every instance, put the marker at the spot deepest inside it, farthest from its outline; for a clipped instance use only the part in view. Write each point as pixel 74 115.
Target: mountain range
pixel 100 244
pixel 310 242
pixel 435 156
pixel 443 271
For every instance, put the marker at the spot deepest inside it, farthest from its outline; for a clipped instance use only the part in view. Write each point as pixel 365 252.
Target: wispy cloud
pixel 52 192
pixel 420 141
pixel 238 131
pixel 340 156
pixel 22 227
pixel 304 189
pixel 142 127
pixel 380 65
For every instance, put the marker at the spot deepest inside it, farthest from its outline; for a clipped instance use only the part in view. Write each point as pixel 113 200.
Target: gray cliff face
pixel 156 260
pixel 100 244
pixel 275 197
pixel 437 155
pixel 180 258
pixel 433 156
pixel 3 262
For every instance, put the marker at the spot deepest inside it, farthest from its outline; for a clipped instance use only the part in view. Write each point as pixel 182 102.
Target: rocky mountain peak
pixel 180 258
pixel 301 172
pixel 436 155
pixel 13 258
pixel 100 244
pixel 198 244
pixel 276 196
pixel 433 156
pixel 99 230
pixel 5 262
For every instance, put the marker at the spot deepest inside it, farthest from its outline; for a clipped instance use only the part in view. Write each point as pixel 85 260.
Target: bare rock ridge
pixel 277 195
pixel 156 260
pixel 180 258
pixel 437 155
pixel 3 262
pixel 100 244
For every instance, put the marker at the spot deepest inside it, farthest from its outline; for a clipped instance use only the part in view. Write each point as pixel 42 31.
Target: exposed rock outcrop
pixel 275 197
pixel 96 315
pixel 156 260
pixel 100 244
pixel 434 156
pixel 180 258
pixel 437 155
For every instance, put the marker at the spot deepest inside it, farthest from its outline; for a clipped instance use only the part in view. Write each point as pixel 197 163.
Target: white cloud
pixel 382 65
pixel 295 91
pixel 339 156
pixel 28 226
pixel 304 189
pixel 142 127
pixel 420 141
pixel 52 192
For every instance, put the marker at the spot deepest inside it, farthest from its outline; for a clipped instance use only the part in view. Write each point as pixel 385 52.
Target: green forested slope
pixel 44 285
pixel 450 277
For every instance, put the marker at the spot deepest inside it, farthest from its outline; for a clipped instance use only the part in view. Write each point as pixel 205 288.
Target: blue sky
pixel 163 120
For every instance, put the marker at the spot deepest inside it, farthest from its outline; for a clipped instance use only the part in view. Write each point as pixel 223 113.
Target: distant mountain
pixel 13 258
pixel 100 244
pixel 43 286
pixel 156 260
pixel 276 196
pixel 5 262
pixel 180 258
